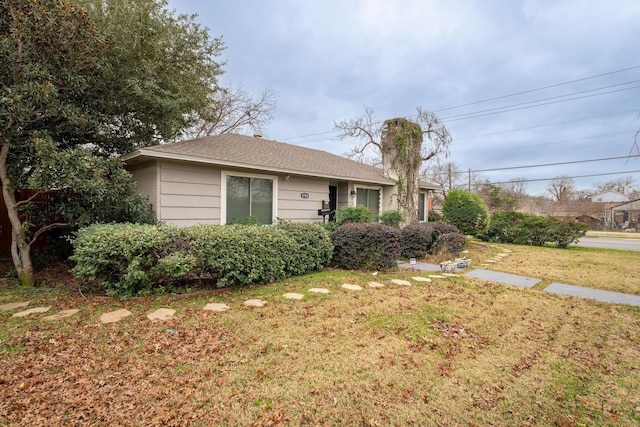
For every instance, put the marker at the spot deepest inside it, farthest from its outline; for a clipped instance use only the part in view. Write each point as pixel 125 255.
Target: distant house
pixel 225 178
pixel 609 197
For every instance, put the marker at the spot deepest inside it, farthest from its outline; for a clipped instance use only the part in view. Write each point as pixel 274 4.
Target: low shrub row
pixel 418 240
pixel 524 229
pixel 377 246
pixel 128 259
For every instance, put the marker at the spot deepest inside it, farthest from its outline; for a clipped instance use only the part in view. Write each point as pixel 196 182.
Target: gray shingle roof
pixel 264 155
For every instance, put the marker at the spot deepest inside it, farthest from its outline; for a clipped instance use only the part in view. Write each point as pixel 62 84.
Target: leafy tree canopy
pixel 85 80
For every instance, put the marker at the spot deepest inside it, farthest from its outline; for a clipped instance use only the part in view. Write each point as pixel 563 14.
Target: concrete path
pixel 595 294
pixel 504 278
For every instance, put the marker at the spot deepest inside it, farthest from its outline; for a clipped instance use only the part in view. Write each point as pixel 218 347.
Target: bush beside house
pixel 128 259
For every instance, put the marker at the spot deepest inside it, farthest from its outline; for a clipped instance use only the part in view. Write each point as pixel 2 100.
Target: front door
pixel 333 201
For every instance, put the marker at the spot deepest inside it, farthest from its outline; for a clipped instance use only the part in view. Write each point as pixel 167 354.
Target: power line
pixel 546 124
pixel 556 164
pixel 572 177
pixel 507 108
pixel 476 114
pixel 538 89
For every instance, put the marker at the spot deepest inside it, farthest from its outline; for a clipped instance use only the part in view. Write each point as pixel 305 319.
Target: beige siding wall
pixel 146 179
pixel 189 194
pixel 389 198
pixel 291 205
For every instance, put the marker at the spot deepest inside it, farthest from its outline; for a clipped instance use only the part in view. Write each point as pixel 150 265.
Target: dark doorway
pixel 333 202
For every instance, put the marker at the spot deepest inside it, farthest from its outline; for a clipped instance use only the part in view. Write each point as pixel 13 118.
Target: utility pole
pixel 469 180
pixel 449 177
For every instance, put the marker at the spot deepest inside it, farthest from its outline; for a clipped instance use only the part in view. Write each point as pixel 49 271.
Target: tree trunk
pixel 20 248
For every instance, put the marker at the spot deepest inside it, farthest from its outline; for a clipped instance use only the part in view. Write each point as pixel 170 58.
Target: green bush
pixel 449 243
pixel 129 259
pixel 466 211
pixel 440 228
pixel 314 246
pixel 502 227
pixel 357 214
pixel 369 246
pixel 434 216
pixel 392 218
pixel 242 254
pixel 567 233
pixel 523 229
pixel 416 240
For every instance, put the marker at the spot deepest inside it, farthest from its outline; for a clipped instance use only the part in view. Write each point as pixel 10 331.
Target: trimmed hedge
pixel 416 240
pixel 466 211
pixel 524 229
pixel 131 259
pixel 449 243
pixel 369 246
pixel 419 240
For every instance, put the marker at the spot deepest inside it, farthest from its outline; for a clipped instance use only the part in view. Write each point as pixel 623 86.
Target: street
pixel 625 244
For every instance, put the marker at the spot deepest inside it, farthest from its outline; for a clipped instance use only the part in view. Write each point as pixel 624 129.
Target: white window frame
pixel 223 192
pixel 369 187
pixel 425 205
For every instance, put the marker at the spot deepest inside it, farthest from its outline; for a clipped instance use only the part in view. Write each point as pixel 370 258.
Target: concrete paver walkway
pixel 595 294
pixel 504 278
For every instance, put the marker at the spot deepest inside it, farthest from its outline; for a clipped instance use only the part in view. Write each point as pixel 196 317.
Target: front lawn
pixel 456 351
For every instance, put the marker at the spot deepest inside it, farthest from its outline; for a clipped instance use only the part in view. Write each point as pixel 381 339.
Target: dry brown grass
pixel 452 352
pixel 605 269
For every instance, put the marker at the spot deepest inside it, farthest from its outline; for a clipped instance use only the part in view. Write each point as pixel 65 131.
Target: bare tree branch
pixel 234 110
pixel 368 131
pixel 436 133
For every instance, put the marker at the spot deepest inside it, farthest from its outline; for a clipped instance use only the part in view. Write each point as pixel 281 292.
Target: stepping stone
pixel 352 287
pixel 436 276
pixel 293 296
pixel 161 314
pixel 502 255
pixel 14 305
pixel 504 278
pixel 401 282
pixel 484 265
pixel 421 279
pixel 319 291
pixel 450 275
pixel 491 261
pixel 255 303
pixel 376 285
pixel 61 315
pixel 595 294
pixel 216 307
pixel 115 316
pixel 31 311
pixel 507 251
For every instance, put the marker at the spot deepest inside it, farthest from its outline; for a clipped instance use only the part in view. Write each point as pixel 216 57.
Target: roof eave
pixel 142 153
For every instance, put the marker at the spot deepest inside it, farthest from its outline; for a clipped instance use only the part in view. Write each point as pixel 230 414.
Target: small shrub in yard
pixel 567 233
pixel 366 246
pixel 449 243
pixel 243 254
pixel 314 246
pixel 440 228
pixel 130 259
pixel 466 211
pixel 416 240
pixel 523 229
pixel 356 214
pixel 392 218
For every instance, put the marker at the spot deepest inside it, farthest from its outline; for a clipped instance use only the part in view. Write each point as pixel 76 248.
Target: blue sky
pixel 329 60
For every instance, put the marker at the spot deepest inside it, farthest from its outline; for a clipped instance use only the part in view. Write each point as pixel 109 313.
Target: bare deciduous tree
pixel 233 109
pixel 402 146
pixel 562 189
pixel 446 175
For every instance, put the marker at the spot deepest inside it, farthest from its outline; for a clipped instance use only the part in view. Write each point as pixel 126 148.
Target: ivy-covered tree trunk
pixel 402 158
pixel 20 248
